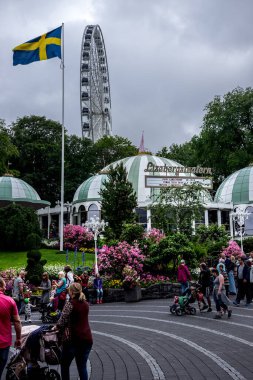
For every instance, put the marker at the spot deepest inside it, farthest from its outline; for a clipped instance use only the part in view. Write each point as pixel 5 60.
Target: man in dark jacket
pixel 243 280
pixel 204 281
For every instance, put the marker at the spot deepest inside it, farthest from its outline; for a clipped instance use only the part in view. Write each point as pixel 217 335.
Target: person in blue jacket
pixel 98 285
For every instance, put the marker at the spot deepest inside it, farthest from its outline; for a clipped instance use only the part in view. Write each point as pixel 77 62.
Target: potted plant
pixel 131 284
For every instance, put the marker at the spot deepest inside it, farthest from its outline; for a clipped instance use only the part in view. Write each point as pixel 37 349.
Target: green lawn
pixel 18 259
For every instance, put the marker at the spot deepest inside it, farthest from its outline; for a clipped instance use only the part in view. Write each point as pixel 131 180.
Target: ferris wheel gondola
pixel 95 95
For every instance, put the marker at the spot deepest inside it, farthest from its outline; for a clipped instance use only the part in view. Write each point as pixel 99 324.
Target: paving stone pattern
pixel 143 341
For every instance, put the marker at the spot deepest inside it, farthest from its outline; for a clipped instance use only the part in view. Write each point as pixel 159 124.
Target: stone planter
pixel 133 295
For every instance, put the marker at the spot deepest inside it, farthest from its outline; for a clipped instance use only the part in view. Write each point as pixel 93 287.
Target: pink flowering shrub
pixel 148 279
pixel 76 237
pixel 112 260
pixel 154 235
pixel 232 249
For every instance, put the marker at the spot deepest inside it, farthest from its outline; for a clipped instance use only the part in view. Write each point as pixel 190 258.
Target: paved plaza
pixel 143 341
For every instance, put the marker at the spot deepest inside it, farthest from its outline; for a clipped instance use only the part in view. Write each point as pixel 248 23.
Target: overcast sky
pixel 167 59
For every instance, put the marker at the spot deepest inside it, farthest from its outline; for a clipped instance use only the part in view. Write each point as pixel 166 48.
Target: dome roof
pixel 16 190
pixel 237 188
pixel 136 168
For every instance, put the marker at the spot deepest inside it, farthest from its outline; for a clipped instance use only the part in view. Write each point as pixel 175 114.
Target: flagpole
pixel 62 147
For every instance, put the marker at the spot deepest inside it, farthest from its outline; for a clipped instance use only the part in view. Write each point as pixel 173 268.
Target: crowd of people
pixel 231 276
pixel 70 296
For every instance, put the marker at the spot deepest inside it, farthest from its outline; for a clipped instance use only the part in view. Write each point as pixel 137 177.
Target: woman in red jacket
pixel 75 333
pixel 183 276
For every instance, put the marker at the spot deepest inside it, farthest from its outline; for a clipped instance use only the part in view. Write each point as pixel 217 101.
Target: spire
pixel 141 147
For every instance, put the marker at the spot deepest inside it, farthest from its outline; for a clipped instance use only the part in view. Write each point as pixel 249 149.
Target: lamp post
pixel 239 216
pixel 97 227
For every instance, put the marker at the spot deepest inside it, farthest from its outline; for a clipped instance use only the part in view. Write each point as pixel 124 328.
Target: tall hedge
pixel 16 223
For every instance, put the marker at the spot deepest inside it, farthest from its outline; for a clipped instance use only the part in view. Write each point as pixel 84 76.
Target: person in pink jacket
pixel 183 276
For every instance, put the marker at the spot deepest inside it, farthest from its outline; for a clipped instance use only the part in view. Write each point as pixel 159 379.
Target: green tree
pixel 185 153
pixel 39 143
pixel 163 257
pixel 175 208
pixel 7 148
pixel 226 139
pixel 110 149
pixel 118 199
pixel 16 223
pixel 79 163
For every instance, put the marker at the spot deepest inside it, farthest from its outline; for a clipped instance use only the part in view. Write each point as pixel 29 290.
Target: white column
pixel 193 226
pixel 48 222
pixel 206 218
pixel 231 226
pixel 149 219
pixel 219 217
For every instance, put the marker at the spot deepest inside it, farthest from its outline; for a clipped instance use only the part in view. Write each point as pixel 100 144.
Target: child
pixel 28 309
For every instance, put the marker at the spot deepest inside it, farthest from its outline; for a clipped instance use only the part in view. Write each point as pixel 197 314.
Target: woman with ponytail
pixel 75 333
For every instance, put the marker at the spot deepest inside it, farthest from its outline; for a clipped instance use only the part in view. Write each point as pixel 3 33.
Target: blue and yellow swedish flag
pixel 38 49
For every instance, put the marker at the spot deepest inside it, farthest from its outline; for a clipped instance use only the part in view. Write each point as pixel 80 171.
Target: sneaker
pixel 209 310
pixel 97 301
pixel 229 313
pixel 217 316
pixel 101 301
pixel 247 304
pixel 30 321
pixel 236 303
pixel 204 308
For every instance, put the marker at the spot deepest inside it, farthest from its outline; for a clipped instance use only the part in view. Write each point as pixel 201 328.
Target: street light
pixel 97 227
pixel 239 216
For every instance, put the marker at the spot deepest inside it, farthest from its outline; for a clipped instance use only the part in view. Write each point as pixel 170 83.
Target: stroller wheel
pixel 179 312
pixel 173 309
pixel 52 374
pixel 192 311
pixel 10 375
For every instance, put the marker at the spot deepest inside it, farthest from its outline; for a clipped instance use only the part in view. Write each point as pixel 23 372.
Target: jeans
pixel 99 293
pixel 80 352
pixel 4 352
pixel 184 286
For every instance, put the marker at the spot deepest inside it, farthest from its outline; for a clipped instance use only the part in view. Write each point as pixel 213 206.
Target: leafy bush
pixel 248 244
pixel 16 223
pixel 76 237
pixel 33 241
pixel 112 260
pixel 131 233
pixel 35 267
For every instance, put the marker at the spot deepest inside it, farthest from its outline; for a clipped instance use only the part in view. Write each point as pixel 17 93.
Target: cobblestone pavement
pixel 143 341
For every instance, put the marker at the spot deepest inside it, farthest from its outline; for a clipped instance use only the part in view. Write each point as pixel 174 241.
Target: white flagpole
pixel 62 147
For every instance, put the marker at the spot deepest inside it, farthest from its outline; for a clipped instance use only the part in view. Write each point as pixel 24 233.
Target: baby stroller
pixel 182 303
pixel 39 344
pixel 49 314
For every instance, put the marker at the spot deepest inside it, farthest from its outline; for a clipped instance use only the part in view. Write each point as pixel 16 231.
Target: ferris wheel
pixel 95 97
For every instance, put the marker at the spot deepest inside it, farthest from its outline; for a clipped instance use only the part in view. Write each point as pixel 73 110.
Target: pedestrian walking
pixel 204 281
pixel 75 333
pixel 68 275
pixel 28 309
pixel 219 295
pixel 8 315
pixel 183 276
pixel 18 290
pixel 84 281
pixel 242 283
pixel 230 268
pixel 61 291
pixel 222 269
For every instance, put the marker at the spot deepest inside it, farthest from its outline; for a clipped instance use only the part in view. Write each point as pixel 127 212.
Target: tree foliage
pixel 8 150
pixel 16 223
pixel 110 149
pixel 118 199
pixel 226 139
pixel 175 208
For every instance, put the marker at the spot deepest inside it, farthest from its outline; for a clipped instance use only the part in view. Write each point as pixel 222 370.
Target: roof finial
pixel 141 147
